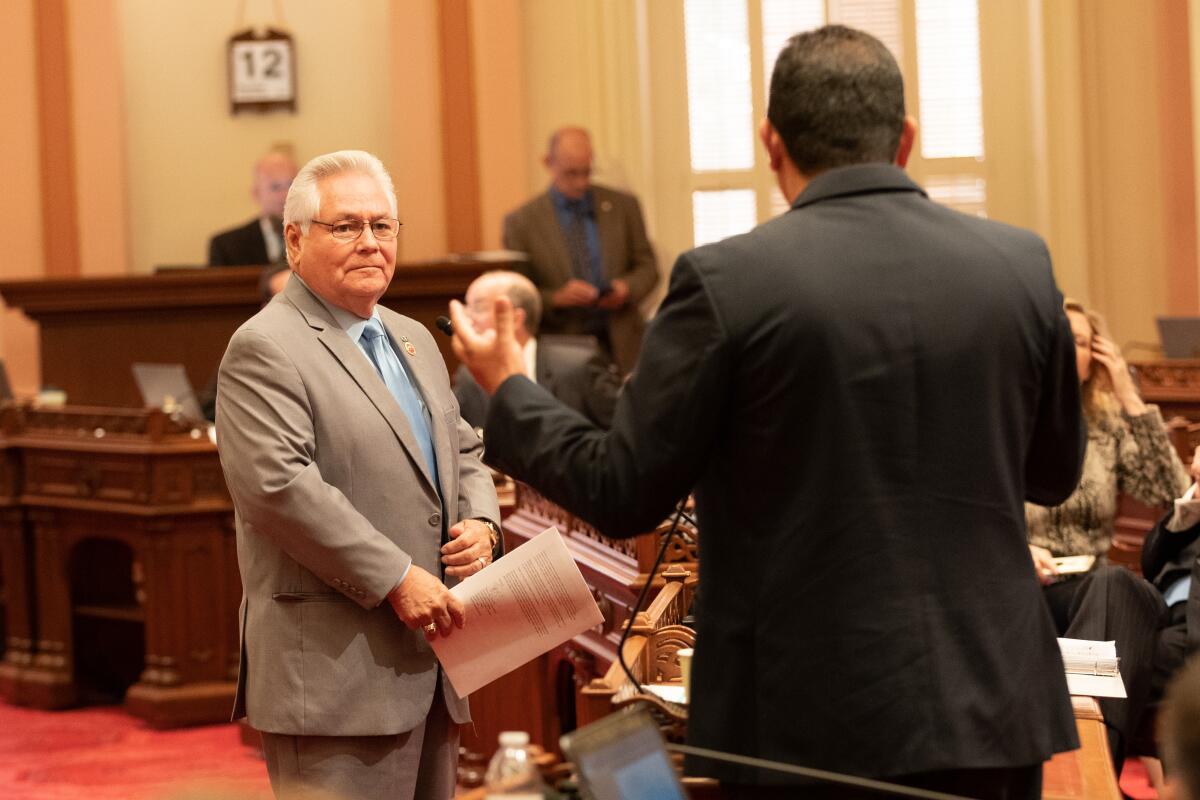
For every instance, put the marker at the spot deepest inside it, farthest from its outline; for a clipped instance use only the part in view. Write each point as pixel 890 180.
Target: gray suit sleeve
pixel 625 480
pixel 476 488
pixel 267 445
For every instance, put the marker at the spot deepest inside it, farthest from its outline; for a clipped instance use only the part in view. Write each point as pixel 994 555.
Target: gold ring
pixel 431 628
pixel 483 562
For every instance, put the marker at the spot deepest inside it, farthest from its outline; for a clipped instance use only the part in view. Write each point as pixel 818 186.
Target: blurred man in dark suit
pixel 259 241
pixel 571 368
pixel 861 393
pixel 1171 561
pixel 1181 735
pixel 588 252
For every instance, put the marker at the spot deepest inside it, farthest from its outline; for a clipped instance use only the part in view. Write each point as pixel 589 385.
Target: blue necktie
pixel 374 341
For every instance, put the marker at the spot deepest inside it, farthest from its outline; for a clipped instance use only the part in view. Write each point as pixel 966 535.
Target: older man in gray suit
pixel 358 489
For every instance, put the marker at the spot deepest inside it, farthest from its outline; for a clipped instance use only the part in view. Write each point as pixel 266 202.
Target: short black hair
pixel 837 98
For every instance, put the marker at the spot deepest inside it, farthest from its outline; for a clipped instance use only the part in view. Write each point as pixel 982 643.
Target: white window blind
pixel 965 193
pixel 718 78
pixel 783 19
pixel 720 214
pixel 880 18
pixel 951 111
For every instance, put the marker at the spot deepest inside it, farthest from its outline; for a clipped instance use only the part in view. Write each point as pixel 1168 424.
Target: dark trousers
pixel 1011 783
pixel 1112 604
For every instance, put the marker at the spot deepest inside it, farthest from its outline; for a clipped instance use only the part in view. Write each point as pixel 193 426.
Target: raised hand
pixel 1108 355
pixel 492 356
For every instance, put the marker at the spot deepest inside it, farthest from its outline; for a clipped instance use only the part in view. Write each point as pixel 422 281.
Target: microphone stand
pixel 662 551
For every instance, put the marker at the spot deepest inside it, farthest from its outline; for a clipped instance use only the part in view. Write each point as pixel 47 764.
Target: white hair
pixel 304 198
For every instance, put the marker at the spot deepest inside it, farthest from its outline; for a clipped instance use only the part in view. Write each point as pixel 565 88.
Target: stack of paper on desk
pixel 524 604
pixel 1092 668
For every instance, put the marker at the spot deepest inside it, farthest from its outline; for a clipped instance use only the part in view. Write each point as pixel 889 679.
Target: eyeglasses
pixel 348 230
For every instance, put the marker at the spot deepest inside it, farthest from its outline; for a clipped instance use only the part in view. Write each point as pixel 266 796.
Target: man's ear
pixel 908 136
pixel 772 143
pixel 291 239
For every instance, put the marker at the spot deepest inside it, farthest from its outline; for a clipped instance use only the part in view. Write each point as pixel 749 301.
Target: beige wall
pixel 416 163
pixel 1113 149
pixel 19 205
pixel 189 160
pixel 499 111
pixel 1079 146
pixel 99 144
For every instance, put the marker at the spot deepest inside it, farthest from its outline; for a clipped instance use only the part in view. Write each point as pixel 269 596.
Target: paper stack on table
pixel 1092 668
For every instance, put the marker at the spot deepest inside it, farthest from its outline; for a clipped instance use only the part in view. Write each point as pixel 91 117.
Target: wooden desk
pixel 129 530
pixel 1172 384
pixel 94 329
pixel 545 697
pixel 1086 773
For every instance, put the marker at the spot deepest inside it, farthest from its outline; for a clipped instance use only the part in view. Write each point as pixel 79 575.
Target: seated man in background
pixel 1181 735
pixel 572 368
pixel 259 241
pixel 588 252
pixel 1171 561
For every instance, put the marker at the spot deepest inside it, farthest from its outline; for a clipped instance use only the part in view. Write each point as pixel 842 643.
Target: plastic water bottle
pixel 511 774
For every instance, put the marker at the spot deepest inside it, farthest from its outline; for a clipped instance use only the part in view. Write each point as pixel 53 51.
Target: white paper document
pixel 1092 668
pixel 671 692
pixel 520 606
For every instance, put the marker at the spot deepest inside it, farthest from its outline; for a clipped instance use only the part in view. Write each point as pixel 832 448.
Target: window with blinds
pixel 951 101
pixel 728 76
pixel 721 125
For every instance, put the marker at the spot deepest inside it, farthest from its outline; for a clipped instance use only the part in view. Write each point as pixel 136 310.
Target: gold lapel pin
pixel 408 347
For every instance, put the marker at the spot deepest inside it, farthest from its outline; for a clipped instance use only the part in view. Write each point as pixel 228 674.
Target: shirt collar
pixel 564 203
pixel 529 352
pixel 271 238
pixel 351 323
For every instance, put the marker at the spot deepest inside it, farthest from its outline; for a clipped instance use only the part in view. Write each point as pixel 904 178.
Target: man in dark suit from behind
pixel 571 368
pixel 587 249
pixel 861 393
pixel 259 241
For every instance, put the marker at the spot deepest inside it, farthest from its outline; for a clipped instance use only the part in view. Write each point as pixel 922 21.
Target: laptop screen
pixel 622 757
pixel 1180 336
pixel 167 386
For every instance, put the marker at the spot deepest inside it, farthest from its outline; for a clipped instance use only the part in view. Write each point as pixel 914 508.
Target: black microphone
pixel 445 325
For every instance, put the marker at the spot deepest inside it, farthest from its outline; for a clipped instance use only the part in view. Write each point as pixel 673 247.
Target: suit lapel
pixel 355 362
pixel 551 233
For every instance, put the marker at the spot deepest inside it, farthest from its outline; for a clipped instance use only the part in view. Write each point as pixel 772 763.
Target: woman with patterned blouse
pixel 1127 451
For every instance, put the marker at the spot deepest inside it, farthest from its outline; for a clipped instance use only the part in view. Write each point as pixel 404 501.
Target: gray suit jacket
pixel 533 229
pixel 333 501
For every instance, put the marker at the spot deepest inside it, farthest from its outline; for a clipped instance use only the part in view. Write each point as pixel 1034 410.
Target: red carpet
pixel 105 754
pixel 1135 783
